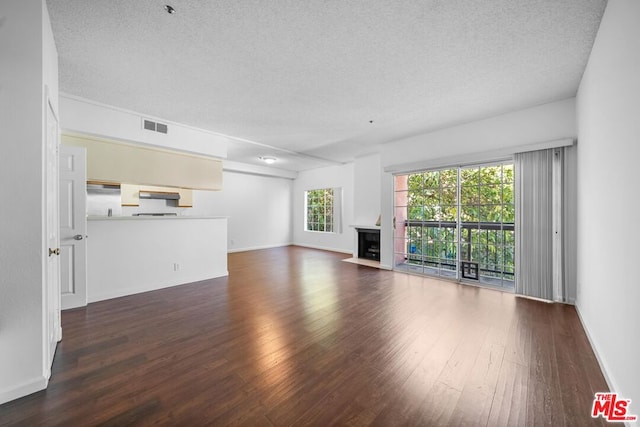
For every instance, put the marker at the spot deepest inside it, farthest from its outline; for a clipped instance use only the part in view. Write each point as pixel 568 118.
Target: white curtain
pixel 539 255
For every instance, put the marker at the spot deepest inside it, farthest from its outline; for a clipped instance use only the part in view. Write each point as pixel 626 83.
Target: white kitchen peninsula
pixel 128 255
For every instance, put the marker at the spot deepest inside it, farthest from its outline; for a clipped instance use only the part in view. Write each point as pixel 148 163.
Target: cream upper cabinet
pixel 114 162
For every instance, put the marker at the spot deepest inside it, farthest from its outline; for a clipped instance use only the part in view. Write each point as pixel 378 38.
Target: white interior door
pixel 53 329
pixel 73 226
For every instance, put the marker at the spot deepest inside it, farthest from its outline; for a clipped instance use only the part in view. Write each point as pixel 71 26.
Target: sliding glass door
pixel 457 223
pixel 426 212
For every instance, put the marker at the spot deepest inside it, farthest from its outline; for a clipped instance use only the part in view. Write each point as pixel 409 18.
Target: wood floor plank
pixel 437 407
pixel 509 404
pixel 544 398
pixel 474 403
pixel 294 336
pixel 575 390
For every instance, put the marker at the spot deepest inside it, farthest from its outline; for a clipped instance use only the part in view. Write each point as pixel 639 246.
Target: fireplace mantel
pixel 365 227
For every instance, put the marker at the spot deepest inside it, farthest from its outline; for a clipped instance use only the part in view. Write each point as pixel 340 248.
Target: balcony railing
pixel 493 267
pixel 468 225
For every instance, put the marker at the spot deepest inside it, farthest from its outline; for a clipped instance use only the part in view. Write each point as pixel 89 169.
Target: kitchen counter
pixel 138 218
pixel 130 254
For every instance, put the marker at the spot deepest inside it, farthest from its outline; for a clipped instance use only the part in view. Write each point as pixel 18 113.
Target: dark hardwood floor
pixel 294 336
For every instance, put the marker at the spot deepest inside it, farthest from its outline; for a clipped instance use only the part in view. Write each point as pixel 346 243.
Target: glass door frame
pixel 499 244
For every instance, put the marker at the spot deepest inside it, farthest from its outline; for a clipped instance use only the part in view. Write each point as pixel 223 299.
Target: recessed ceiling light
pixel 268 160
pixel 170 10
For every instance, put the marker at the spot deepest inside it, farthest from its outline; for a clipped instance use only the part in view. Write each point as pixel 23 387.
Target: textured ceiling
pixel 309 76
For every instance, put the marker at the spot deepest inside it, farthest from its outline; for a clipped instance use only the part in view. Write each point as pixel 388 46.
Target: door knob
pixel 55 251
pixel 78 237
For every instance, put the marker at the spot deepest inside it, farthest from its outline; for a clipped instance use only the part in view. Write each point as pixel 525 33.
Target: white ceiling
pixel 308 76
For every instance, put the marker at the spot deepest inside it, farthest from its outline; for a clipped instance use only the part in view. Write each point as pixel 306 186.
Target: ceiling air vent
pixel 161 127
pixel 149 125
pixel 153 126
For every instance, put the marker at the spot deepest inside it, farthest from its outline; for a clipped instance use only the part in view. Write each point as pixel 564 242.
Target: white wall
pixel 481 140
pixel 330 177
pixel 366 194
pixel 27 52
pixel 50 60
pixel 258 208
pixel 608 105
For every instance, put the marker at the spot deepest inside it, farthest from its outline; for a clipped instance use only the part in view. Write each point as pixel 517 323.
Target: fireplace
pixel 369 244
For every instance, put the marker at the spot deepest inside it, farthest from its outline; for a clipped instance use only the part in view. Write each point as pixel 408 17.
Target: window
pixel 457 223
pixel 320 210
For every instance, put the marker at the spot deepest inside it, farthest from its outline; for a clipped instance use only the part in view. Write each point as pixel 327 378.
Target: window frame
pixel 328 212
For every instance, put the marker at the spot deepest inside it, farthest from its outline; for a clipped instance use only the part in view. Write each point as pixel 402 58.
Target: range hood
pixel 155 214
pixel 159 195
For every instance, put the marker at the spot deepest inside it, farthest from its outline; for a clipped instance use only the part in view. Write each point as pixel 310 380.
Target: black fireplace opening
pixel 369 244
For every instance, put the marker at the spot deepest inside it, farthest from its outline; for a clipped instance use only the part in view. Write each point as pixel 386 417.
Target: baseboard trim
pixel 601 363
pixel 324 248
pixel 548 301
pixel 257 248
pixel 153 287
pixel 24 389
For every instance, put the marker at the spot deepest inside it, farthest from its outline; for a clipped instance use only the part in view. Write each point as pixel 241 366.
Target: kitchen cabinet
pixel 116 162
